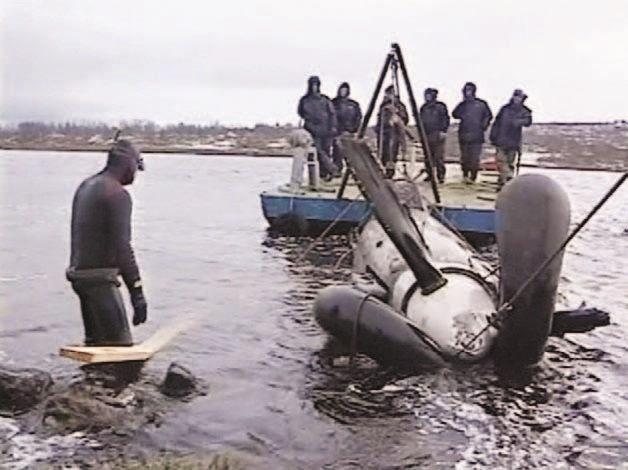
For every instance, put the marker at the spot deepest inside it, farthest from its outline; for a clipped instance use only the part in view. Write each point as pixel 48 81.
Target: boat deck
pixel 455 193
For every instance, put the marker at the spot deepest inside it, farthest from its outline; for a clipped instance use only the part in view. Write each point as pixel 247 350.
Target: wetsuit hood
pixel 123 161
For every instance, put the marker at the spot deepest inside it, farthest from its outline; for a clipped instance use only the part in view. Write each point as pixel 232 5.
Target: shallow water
pixel 279 394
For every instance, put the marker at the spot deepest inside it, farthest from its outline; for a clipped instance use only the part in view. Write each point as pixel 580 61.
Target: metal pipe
pixel 378 87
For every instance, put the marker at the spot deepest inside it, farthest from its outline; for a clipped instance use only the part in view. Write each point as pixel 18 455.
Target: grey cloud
pixel 245 61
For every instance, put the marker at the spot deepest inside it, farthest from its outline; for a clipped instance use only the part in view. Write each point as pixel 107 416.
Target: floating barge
pixel 468 208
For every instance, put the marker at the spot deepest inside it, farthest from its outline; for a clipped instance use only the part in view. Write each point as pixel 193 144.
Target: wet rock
pixel 93 409
pixel 21 389
pixel 179 382
pixel 82 410
pixel 342 361
pixel 116 376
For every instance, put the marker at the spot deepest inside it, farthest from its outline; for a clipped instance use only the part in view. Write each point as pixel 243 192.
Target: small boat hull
pixel 293 214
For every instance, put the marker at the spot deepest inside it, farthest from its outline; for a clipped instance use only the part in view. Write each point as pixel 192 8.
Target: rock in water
pixel 179 382
pixel 21 389
pixel 79 409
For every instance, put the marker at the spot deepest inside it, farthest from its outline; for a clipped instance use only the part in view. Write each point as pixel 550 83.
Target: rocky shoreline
pixel 105 406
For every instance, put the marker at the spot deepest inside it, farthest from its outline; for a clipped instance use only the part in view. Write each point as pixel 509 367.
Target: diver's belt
pixel 93 276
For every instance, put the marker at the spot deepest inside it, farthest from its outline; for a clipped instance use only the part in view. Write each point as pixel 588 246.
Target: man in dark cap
pixel 390 128
pixel 475 117
pixel 319 116
pixel 101 250
pixel 349 117
pixel 435 118
pixel 506 134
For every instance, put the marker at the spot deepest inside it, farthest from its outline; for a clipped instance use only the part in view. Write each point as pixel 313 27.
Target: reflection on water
pixel 282 394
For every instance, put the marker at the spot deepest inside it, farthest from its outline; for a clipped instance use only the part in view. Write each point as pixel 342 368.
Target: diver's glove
pixel 139 303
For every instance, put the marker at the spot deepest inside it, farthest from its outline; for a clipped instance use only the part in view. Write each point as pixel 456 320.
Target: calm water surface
pixel 279 395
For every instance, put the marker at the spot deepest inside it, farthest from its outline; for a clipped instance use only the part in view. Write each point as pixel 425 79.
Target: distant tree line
pixel 137 128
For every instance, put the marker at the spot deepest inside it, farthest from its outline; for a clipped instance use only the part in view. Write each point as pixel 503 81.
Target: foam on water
pixel 21 450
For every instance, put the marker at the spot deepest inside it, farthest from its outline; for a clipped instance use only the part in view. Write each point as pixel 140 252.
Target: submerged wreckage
pixel 439 303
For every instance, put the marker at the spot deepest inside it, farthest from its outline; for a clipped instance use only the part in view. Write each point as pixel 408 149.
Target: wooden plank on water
pixel 98 354
pixel 137 352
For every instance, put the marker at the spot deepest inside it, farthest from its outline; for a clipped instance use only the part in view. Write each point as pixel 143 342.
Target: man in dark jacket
pixel 319 115
pixel 506 134
pixel 349 117
pixel 390 128
pixel 435 118
pixel 475 117
pixel 101 250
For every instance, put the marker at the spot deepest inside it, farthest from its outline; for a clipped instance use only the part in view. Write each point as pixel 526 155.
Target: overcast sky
pixel 246 61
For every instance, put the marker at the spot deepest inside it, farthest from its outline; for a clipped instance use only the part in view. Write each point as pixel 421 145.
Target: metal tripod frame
pixel 394 59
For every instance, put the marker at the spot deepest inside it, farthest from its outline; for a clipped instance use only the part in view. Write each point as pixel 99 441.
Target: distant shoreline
pixel 559 145
pixel 170 150
pixel 550 164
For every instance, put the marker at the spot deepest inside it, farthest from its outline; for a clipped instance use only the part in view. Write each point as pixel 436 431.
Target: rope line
pixel 356 324
pixel 325 232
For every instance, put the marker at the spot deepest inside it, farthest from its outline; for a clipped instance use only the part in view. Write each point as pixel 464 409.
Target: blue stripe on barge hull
pixel 465 219
pixel 321 211
pixel 315 208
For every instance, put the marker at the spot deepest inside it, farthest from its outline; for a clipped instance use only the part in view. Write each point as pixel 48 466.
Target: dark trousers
pixel 437 149
pixel 326 166
pixel 390 148
pixel 470 158
pixel 337 156
pixel 104 315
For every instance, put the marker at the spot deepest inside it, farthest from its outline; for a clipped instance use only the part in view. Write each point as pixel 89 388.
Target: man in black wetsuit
pixel 101 250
